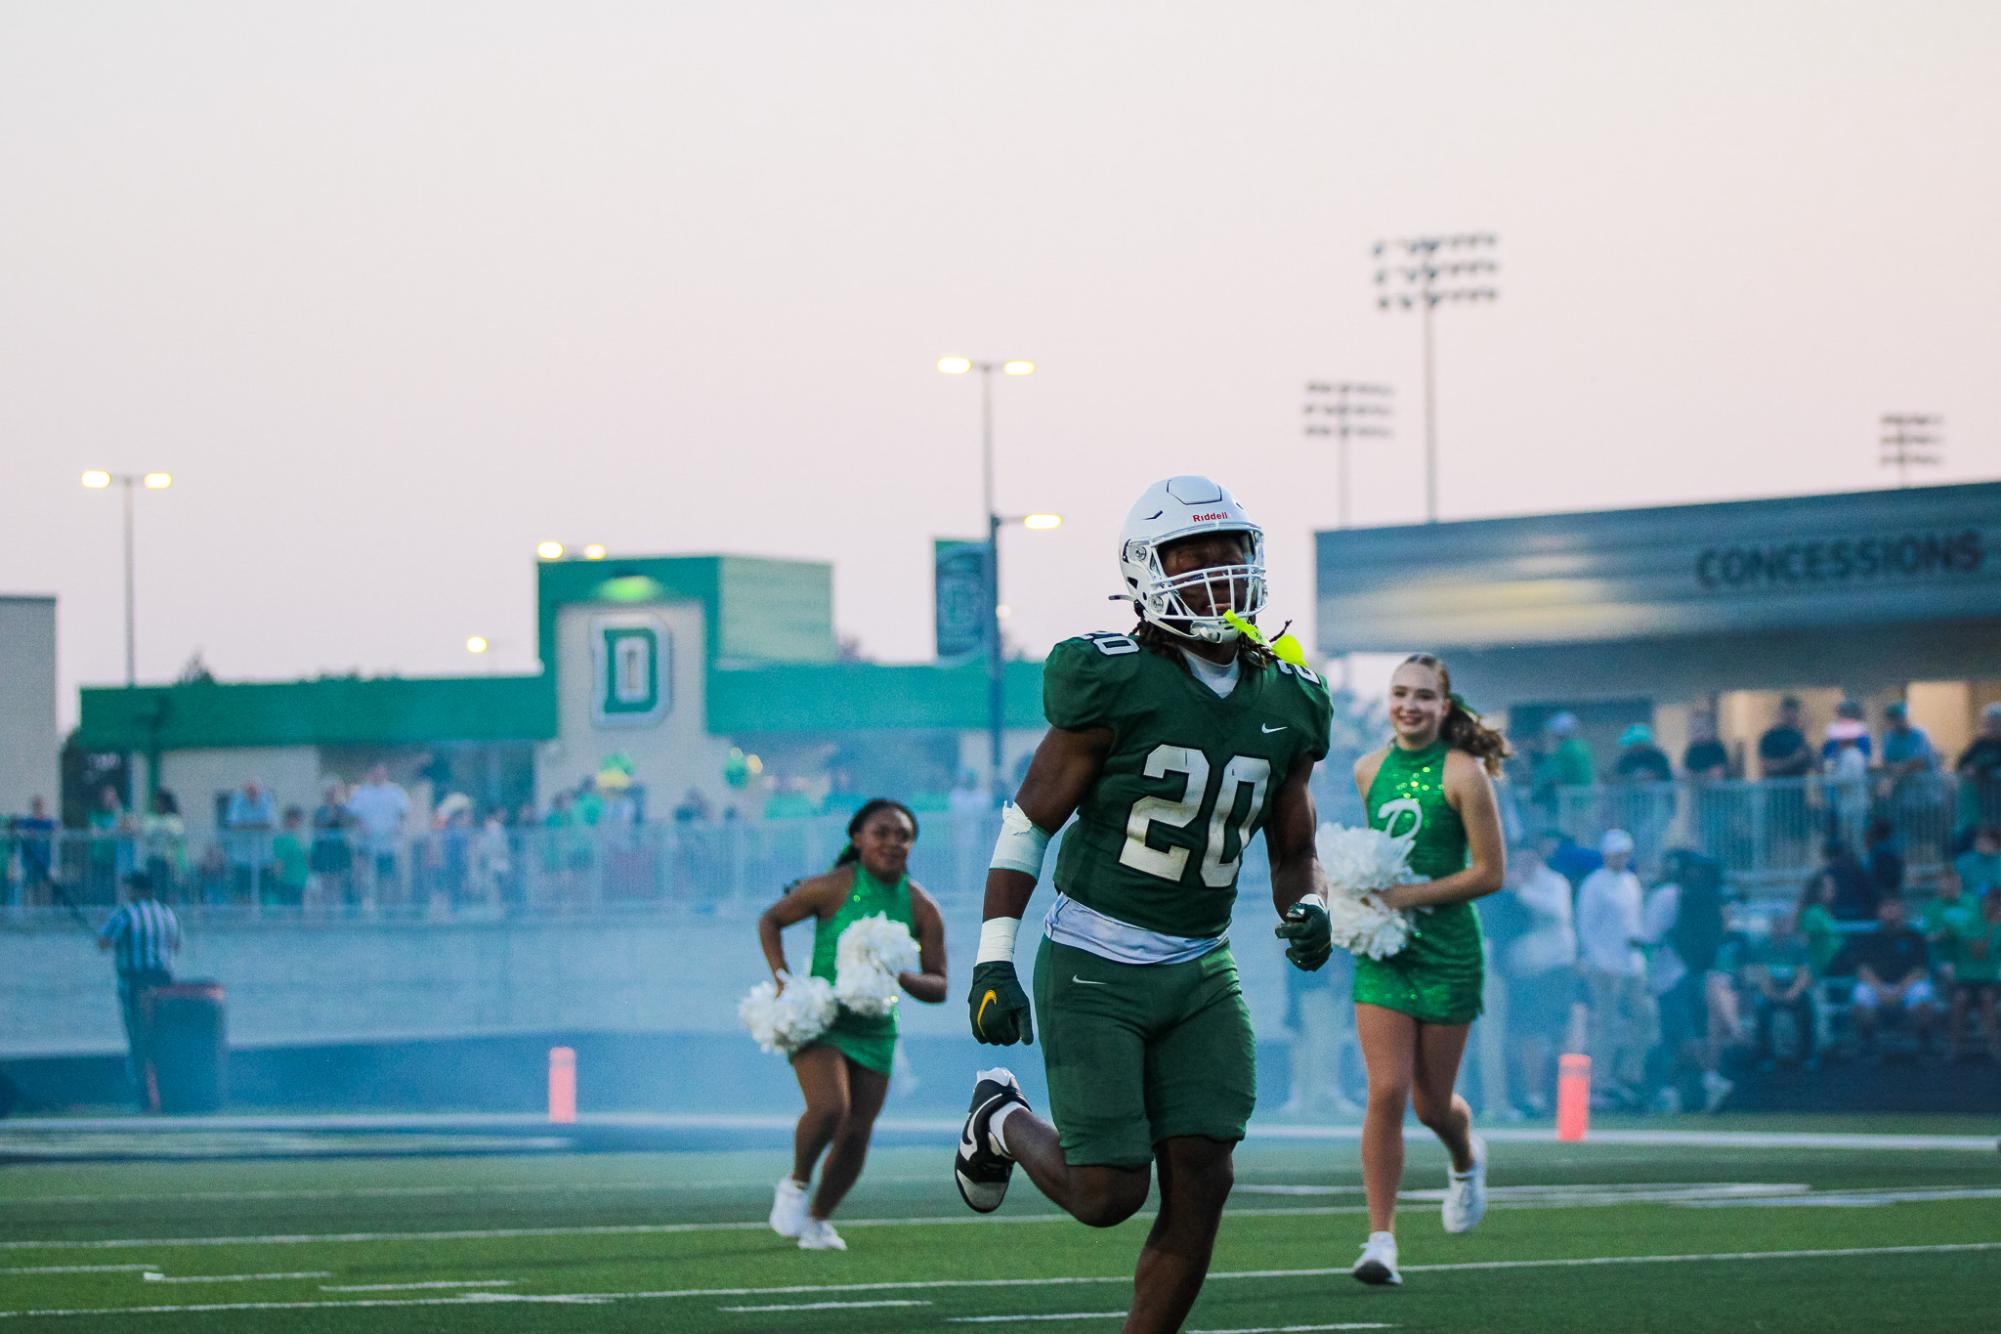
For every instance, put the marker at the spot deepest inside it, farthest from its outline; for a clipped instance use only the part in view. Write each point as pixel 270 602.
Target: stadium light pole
pixel 1430 271
pixel 97 479
pixel 1906 437
pixel 995 696
pixel 1358 410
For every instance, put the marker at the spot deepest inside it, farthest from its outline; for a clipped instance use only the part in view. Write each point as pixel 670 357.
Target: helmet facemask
pixel 1162 599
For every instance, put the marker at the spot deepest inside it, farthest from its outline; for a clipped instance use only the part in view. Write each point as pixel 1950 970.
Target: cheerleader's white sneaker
pixel 1466 1192
pixel 788 1208
pixel 1378 1264
pixel 819 1235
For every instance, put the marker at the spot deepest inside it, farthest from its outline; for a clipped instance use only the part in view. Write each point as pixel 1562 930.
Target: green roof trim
pixel 770 666
pixel 328 711
pixel 858 696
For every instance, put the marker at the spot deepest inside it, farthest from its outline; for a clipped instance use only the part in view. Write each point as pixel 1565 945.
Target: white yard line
pixel 1295 1329
pixel 433 1285
pixel 824 1306
pixel 155 1276
pixel 427 1192
pixel 796 1289
pixel 80 1269
pixel 1024 1319
pixel 1719 1195
pixel 1856 1199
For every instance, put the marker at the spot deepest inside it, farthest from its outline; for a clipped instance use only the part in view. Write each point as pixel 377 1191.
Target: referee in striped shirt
pixel 144 936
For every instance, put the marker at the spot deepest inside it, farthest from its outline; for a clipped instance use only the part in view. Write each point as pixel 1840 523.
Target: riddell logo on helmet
pixel 1205 518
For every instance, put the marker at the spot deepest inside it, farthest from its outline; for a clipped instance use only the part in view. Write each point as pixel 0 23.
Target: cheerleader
pixel 1431 786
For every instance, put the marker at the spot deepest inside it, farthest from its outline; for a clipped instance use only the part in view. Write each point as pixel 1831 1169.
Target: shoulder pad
pixel 1304 675
pixel 1083 677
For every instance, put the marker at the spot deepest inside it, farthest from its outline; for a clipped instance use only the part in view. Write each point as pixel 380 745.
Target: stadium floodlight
pixel 98 479
pixel 477 644
pixel 550 550
pixel 1016 368
pixel 1361 410
pixel 1041 523
pixel 1907 438
pixel 595 551
pixel 1456 267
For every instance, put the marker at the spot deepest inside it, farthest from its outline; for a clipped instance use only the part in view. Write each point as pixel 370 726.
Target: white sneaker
pixel 819 1235
pixel 1716 1090
pixel 788 1208
pixel 1466 1192
pixel 1378 1264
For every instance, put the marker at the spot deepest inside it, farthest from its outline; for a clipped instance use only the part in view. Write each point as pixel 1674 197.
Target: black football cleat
pixel 980 1169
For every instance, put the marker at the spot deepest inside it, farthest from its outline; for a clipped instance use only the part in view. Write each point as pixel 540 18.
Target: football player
pixel 1173 745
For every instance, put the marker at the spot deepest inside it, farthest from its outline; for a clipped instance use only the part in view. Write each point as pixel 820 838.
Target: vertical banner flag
pixel 961 576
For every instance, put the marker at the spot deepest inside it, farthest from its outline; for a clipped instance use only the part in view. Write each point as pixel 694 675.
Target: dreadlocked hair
pixel 1462 728
pixel 1169 645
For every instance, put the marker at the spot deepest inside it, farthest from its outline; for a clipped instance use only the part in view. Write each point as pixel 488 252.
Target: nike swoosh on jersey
pixel 1268 729
pixel 1087 982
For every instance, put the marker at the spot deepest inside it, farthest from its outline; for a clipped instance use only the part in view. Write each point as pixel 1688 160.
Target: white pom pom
pixel 866 990
pixel 1359 865
pixel 876 942
pixel 790 1020
pixel 867 958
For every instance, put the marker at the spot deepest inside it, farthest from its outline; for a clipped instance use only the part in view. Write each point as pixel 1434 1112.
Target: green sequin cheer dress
pixel 1437 977
pixel 866 1039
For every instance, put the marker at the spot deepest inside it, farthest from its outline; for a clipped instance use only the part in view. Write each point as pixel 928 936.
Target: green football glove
pixel 998 1006
pixel 1312 935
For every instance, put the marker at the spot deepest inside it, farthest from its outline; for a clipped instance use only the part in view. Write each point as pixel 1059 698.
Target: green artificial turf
pixel 594 1232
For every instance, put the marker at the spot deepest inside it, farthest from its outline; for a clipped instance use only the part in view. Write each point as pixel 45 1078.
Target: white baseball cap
pixel 1616 841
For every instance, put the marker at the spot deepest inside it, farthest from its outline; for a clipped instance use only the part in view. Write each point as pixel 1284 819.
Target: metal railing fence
pixel 1764 833
pixel 1774 830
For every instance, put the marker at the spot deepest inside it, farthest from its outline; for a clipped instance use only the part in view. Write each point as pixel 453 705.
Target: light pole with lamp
pixel 1909 437
pixel 1414 283
pixel 996 720
pixel 97 479
pixel 1343 401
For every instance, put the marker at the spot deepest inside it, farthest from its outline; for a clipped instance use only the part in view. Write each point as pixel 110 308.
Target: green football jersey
pixel 1189 778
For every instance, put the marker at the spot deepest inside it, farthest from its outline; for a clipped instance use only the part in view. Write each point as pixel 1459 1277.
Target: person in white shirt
pixel 1541 967
pixel 379 808
pixel 1609 931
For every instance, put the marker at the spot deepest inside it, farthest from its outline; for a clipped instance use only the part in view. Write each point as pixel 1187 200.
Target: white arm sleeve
pixel 1021 845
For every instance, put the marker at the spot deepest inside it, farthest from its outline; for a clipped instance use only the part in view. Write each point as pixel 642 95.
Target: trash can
pixel 188 1046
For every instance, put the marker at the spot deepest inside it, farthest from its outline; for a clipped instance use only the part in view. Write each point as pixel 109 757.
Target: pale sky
pixel 398 290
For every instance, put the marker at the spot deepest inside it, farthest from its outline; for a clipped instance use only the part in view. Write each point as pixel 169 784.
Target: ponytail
pixel 850 854
pixel 1462 728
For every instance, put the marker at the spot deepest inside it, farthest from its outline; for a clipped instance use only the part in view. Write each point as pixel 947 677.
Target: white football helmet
pixel 1183 507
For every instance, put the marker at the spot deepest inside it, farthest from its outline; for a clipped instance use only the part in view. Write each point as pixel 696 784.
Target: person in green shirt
pixel 1976 972
pixel 845 1074
pixel 1979 867
pixel 1174 745
pixel 285 887
pixel 1433 786
pixel 1815 920
pixel 1779 967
